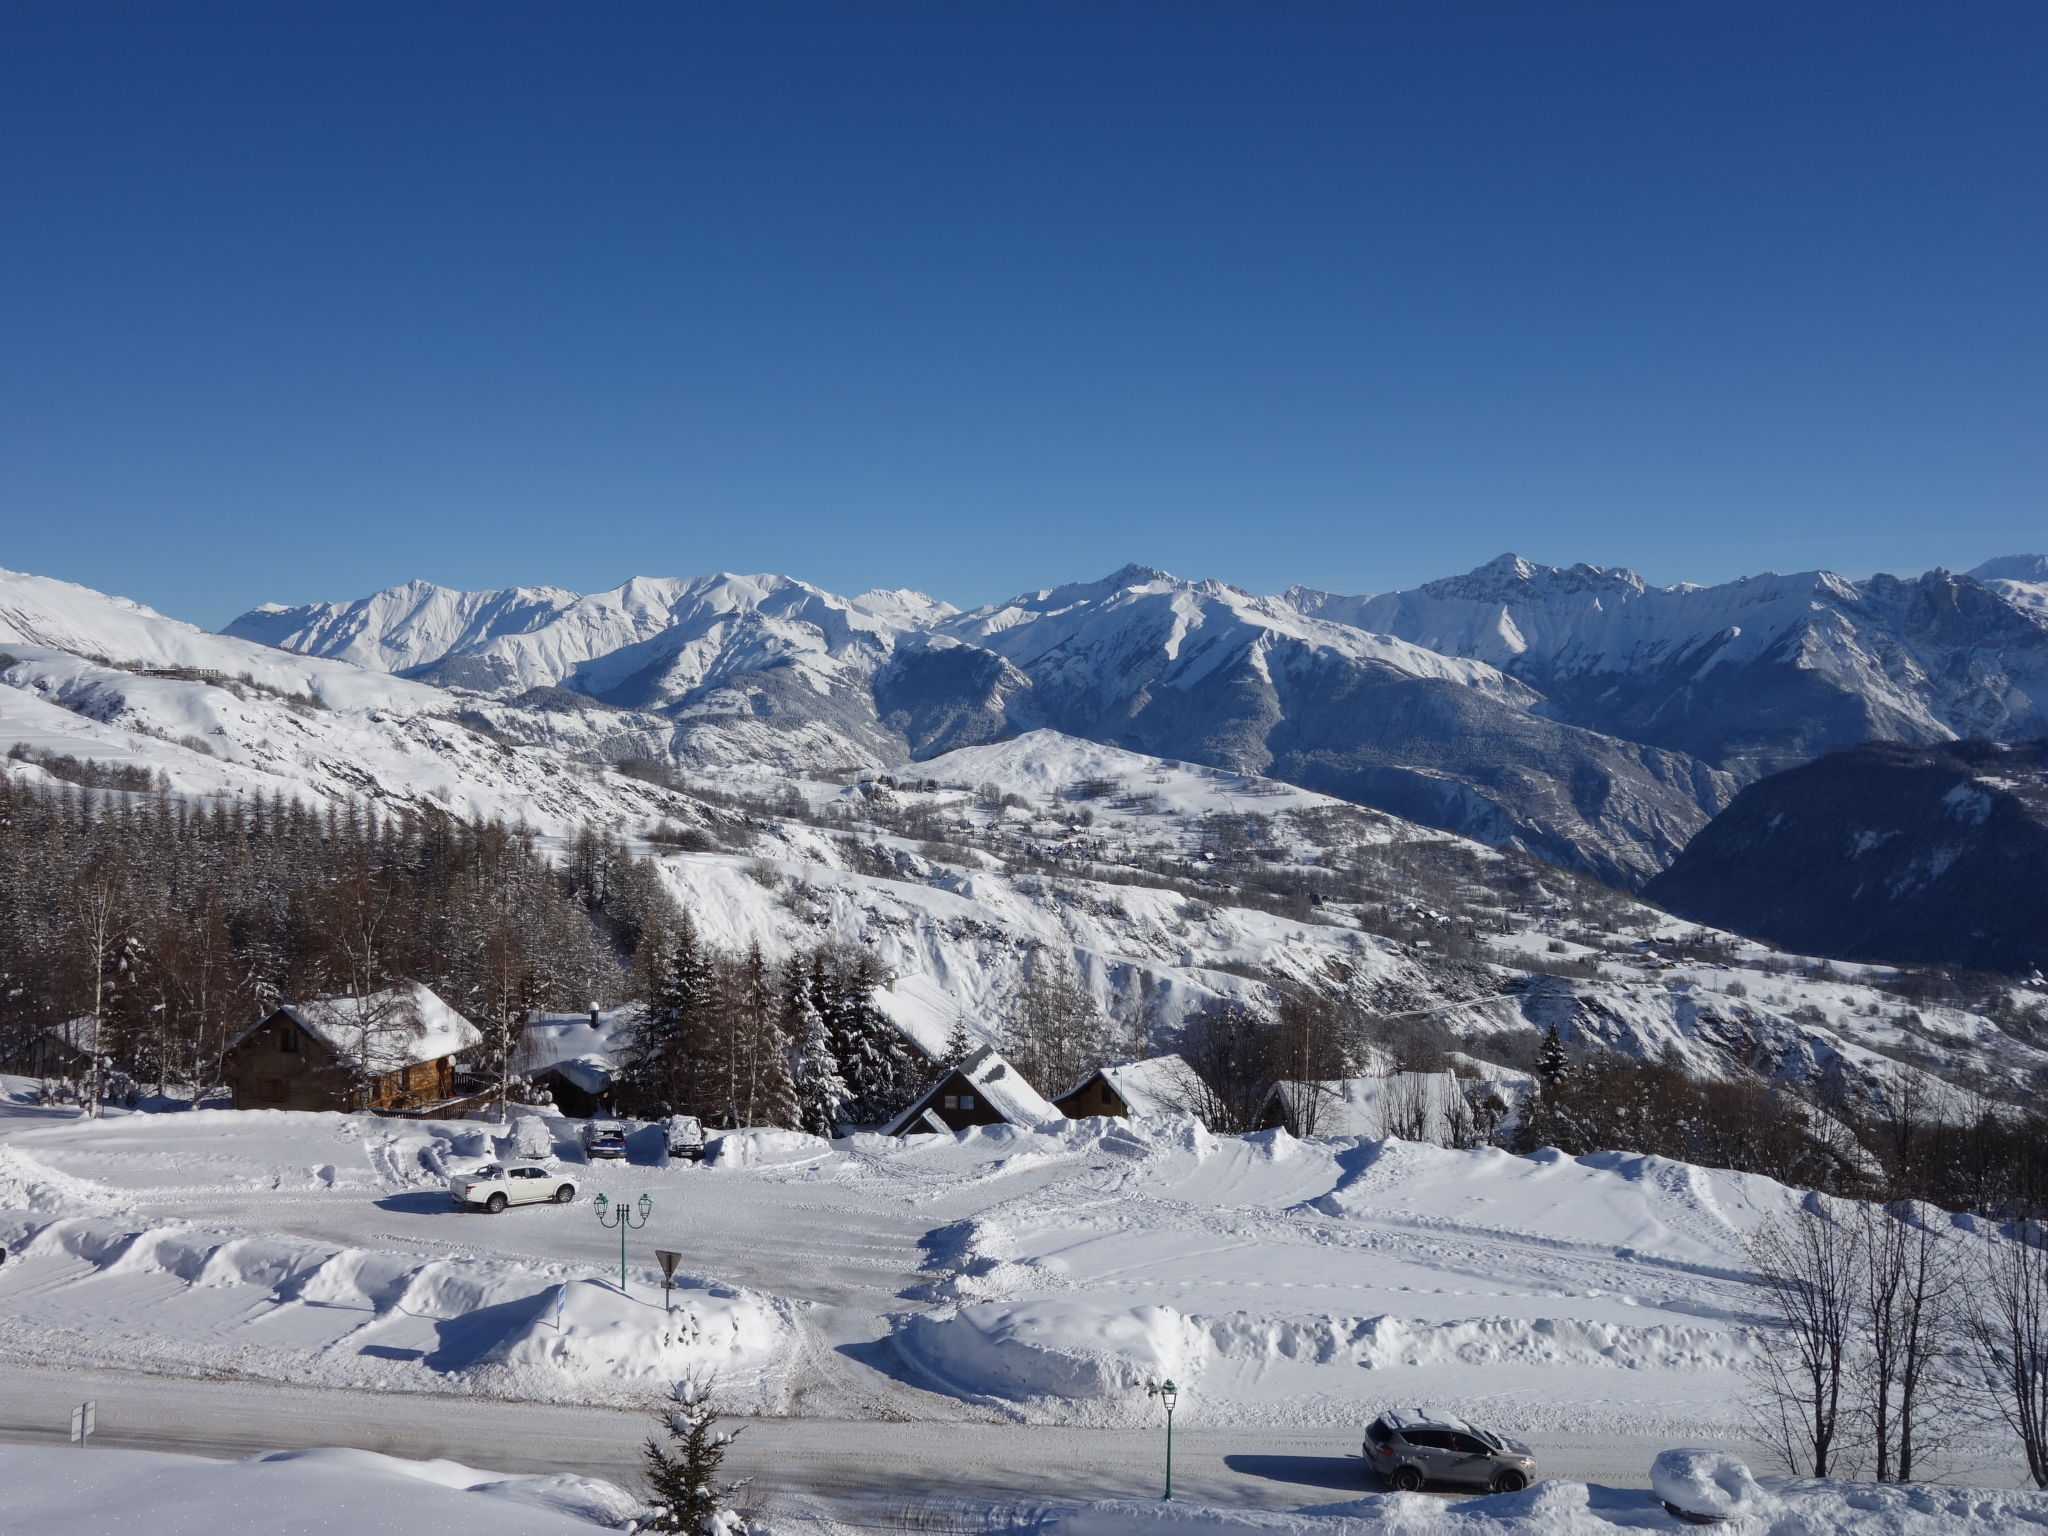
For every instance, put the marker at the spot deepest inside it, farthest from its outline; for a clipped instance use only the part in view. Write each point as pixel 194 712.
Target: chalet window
pixel 288 1040
pixel 950 1101
pixel 967 1101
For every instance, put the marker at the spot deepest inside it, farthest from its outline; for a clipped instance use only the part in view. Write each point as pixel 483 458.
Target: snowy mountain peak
pixel 2027 568
pixel 1510 578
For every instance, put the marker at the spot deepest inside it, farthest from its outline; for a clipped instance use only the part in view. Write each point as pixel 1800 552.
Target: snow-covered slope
pixel 94 677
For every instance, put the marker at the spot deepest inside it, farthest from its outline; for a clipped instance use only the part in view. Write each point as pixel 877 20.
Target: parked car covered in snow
pixel 1410 1448
pixel 604 1138
pixel 686 1138
pixel 497 1185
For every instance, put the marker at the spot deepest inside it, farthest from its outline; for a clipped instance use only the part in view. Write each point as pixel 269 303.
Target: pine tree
pixel 817 1088
pixel 673 1060
pixel 958 1044
pixel 1552 1065
pixel 767 1097
pixel 687 1493
pixel 883 1071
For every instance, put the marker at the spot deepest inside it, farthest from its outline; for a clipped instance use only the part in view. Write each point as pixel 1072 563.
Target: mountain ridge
pixel 1578 713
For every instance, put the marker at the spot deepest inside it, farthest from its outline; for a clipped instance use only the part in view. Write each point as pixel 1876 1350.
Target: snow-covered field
pixel 1039 1276
pixel 1018 1283
pixel 47 1492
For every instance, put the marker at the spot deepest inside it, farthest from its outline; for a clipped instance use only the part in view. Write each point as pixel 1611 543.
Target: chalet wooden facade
pixel 393 1052
pixel 1159 1085
pixel 983 1090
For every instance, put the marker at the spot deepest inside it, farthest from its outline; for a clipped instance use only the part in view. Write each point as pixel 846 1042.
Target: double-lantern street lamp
pixel 621 1216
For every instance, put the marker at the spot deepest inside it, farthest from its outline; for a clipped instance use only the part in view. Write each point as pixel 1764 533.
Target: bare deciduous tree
pixel 1907 1326
pixel 2009 1340
pixel 1810 1268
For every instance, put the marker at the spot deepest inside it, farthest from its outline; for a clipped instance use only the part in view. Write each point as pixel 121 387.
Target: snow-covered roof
pixel 80 1033
pixel 385 1031
pixel 592 1073
pixel 550 1038
pixel 1158 1085
pixel 1001 1086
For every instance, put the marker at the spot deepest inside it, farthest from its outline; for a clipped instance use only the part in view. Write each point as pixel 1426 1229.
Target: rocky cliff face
pixel 1936 854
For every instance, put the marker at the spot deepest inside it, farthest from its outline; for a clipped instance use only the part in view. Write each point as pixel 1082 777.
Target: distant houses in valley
pixel 391 1051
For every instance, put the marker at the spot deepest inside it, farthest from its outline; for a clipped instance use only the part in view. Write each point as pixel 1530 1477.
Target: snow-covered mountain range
pixel 1579 714
pixel 1168 883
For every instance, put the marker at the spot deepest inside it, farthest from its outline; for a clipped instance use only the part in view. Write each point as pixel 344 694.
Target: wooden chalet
pixel 393 1052
pixel 983 1090
pixel 1160 1085
pixel 65 1050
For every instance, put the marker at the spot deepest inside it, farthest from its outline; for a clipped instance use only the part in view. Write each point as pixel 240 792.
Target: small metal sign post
pixel 561 1295
pixel 669 1259
pixel 84 1420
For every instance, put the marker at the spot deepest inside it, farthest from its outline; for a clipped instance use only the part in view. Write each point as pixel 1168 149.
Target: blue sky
pixel 303 300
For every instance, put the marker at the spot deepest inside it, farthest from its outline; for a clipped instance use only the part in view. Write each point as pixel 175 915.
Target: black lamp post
pixel 1167 1394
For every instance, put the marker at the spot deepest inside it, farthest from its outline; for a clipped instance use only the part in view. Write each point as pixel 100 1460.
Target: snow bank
pixel 1709 1483
pixel 53 1491
pixel 764 1148
pixel 1072 1350
pixel 1792 1507
pixel 27 1184
pixel 1080 1351
pixel 371 1317
pixel 713 1332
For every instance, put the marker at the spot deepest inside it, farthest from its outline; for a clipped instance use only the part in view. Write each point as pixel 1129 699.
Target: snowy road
pixel 841 1462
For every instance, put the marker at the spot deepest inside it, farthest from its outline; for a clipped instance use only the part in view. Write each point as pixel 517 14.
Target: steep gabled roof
pixel 1158 1085
pixel 1001 1086
pixel 385 1031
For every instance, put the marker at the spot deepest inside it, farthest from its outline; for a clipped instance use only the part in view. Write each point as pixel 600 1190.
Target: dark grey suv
pixel 1410 1448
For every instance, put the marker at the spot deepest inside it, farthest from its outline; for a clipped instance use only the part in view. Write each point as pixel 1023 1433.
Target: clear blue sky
pixel 305 299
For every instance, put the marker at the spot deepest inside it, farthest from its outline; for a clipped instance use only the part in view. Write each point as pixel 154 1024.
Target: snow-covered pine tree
pixel 882 1069
pixel 688 1495
pixel 671 1070
pixel 816 1086
pixel 958 1042
pixel 1552 1065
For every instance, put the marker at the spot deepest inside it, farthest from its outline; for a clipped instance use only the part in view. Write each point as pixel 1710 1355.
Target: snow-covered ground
pixel 49 1492
pixel 53 1491
pixel 1034 1276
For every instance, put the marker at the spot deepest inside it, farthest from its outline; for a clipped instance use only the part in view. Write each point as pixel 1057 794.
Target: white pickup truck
pixel 497 1185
